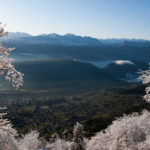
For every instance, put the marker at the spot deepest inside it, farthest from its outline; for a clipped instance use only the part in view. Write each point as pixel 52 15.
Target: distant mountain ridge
pixel 70 46
pixel 70 39
pixel 52 39
pixel 16 35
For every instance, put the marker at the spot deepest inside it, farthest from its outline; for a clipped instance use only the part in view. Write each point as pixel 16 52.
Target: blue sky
pixel 97 18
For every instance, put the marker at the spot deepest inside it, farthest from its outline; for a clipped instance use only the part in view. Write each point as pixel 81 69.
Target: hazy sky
pixel 97 18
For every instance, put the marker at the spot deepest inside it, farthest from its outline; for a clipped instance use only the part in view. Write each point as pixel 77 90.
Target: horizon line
pixel 99 38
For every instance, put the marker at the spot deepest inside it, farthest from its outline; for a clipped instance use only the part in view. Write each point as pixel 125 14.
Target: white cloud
pixel 122 62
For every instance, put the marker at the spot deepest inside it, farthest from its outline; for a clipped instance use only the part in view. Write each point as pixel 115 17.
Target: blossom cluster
pixel 6 66
pixel 145 78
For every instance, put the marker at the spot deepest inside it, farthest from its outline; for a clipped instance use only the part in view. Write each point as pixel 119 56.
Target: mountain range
pixel 64 61
pixel 69 39
pixel 70 46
